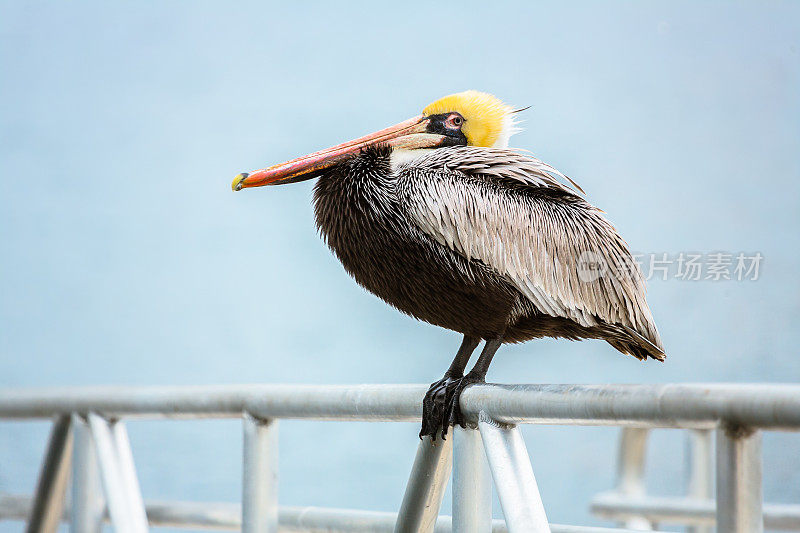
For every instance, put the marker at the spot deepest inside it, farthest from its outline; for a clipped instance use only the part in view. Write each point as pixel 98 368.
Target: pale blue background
pixel 126 259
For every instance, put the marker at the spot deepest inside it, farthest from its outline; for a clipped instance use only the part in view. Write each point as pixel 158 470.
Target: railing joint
pixel 487 419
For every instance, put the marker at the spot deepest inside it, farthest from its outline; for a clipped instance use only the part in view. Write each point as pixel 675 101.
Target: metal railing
pixel 89 435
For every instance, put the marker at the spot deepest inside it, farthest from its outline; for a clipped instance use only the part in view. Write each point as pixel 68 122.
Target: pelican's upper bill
pixel 469 118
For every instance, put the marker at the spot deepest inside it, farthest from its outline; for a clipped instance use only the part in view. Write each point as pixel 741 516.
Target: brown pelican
pixel 440 219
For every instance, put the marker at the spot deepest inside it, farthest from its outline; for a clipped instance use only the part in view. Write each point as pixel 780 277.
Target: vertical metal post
pixel 260 476
pixel 739 506
pixel 699 470
pixel 87 497
pixel 426 485
pixel 48 502
pixel 472 490
pixel 630 471
pixel 122 503
pixel 513 477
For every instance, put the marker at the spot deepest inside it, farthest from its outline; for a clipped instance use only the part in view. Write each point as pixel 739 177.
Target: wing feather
pixel 529 223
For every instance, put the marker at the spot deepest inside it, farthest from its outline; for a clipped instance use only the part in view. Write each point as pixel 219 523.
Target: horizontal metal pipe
pixel 321 402
pixel 227 517
pixel 688 511
pixel 195 515
pixel 680 405
pixel 677 405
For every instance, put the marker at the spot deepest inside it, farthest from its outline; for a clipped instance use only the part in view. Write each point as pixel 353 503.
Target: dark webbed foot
pixel 441 408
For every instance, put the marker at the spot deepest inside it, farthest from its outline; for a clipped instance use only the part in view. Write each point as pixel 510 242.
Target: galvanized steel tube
pixel 124 515
pixel 631 457
pixel 699 470
pixel 260 476
pixel 227 517
pixel 87 495
pixel 679 405
pixel 127 472
pixel 472 484
pixel 425 488
pixel 739 505
pixel 386 403
pixel 513 477
pixel 48 503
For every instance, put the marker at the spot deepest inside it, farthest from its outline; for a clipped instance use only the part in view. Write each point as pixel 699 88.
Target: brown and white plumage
pixel 437 217
pixel 508 211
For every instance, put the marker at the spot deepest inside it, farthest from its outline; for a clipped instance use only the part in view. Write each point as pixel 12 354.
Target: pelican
pixel 440 219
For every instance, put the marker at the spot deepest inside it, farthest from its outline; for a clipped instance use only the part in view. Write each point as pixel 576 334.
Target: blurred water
pixel 125 258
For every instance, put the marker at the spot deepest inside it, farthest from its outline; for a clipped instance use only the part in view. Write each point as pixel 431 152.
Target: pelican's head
pixel 469 118
pixel 481 118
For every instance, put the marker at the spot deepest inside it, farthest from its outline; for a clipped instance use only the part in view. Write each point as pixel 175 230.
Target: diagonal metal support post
pixel 48 503
pixel 513 477
pixel 118 475
pixel 128 471
pixel 260 476
pixel 88 505
pixel 426 486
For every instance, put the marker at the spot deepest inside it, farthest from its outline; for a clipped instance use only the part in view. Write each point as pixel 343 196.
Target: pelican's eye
pixel 454 121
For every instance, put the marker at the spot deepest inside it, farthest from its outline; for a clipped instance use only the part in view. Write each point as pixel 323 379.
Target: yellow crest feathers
pixel 487 120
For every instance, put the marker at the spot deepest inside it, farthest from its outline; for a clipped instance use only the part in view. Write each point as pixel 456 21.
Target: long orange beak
pixel 409 134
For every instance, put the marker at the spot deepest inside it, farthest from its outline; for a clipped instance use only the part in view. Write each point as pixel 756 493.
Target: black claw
pixel 441 408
